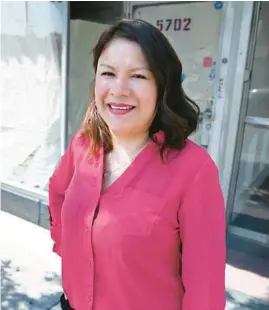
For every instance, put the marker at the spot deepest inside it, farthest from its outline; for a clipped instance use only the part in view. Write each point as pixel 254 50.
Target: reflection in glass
pixel 31 97
pixel 251 205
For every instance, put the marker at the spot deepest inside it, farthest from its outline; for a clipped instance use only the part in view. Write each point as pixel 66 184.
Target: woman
pixel 137 210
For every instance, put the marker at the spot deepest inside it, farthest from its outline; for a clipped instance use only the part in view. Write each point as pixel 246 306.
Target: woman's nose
pixel 120 87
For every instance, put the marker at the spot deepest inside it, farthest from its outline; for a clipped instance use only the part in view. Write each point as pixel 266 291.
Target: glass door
pixel 248 204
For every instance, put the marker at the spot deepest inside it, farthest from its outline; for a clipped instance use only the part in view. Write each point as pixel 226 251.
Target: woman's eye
pixel 107 73
pixel 139 76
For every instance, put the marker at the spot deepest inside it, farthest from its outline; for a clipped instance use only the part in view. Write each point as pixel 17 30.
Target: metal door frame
pixel 65 66
pixel 243 120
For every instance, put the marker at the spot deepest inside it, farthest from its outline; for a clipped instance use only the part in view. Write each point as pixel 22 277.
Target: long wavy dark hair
pixel 176 114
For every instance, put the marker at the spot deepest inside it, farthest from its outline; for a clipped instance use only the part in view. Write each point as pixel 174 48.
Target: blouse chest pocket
pixel 136 212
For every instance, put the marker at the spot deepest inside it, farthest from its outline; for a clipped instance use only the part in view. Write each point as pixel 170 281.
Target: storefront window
pixel 31 48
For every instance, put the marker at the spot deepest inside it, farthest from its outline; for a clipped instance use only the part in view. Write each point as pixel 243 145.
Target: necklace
pixel 120 166
pixel 107 173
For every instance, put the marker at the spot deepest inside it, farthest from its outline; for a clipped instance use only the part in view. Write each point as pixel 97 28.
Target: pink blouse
pixel 154 240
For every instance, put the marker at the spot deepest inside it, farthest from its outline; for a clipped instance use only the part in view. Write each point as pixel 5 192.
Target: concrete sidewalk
pixel 31 272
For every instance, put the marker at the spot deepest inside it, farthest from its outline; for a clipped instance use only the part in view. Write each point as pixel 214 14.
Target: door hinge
pixel 247 74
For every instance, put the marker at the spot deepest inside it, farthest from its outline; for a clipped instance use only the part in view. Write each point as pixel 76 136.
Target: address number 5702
pixel 174 24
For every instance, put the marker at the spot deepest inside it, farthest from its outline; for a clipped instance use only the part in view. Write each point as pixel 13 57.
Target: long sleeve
pixel 202 231
pixel 58 183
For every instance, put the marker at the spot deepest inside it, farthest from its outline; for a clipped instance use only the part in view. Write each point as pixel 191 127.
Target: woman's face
pixel 125 89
